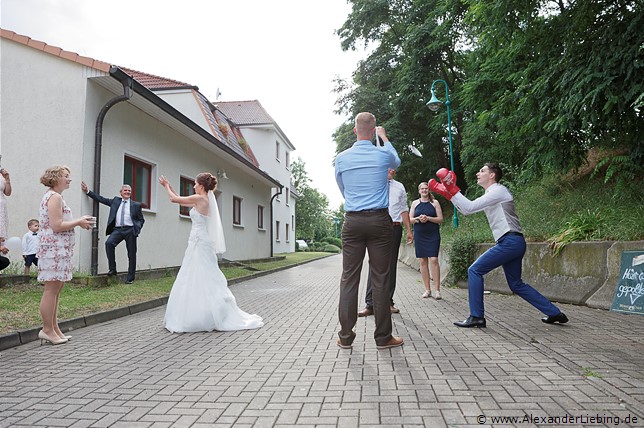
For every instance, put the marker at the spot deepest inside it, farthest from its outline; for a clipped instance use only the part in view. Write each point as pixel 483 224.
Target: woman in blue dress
pixel 426 216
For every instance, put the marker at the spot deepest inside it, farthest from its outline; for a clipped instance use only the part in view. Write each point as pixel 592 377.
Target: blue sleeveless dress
pixel 427 237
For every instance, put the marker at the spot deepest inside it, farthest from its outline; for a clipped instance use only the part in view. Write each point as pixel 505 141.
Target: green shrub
pixel 330 248
pixel 583 226
pixel 461 255
pixel 316 246
pixel 333 241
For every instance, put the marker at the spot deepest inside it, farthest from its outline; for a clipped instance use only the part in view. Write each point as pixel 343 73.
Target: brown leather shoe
pixel 393 342
pixel 339 342
pixel 394 310
pixel 365 312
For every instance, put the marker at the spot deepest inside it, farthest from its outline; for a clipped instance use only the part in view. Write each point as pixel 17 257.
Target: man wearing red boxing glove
pixel 498 205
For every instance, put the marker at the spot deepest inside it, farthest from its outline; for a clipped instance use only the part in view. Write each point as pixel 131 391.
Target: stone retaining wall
pixel 584 273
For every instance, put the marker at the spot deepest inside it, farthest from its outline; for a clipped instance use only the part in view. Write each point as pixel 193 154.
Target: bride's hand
pixel 163 181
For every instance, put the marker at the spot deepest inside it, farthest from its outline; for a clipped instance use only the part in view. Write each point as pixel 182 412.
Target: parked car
pixel 301 243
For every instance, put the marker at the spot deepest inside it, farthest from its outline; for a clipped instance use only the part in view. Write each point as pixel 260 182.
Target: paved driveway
pixel 130 372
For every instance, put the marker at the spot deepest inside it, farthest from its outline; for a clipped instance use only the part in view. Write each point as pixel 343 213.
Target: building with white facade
pixel 273 150
pixel 57 107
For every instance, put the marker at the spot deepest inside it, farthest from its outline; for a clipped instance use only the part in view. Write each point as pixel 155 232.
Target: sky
pixel 283 53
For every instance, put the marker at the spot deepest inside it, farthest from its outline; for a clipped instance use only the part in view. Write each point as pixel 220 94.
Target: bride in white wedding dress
pixel 200 299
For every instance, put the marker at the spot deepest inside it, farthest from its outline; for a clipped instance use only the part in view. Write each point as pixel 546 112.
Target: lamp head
pixel 434 104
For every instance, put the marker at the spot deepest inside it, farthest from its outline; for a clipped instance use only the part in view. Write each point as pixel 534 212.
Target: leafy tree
pixel 312 215
pixel 413 43
pixel 534 84
pixel 550 80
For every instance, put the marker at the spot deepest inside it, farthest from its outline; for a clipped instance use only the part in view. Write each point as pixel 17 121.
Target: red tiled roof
pixel 56 51
pixel 150 81
pixel 245 112
pixel 153 82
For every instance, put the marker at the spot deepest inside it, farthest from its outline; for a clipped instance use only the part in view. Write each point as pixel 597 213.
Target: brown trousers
pixel 370 231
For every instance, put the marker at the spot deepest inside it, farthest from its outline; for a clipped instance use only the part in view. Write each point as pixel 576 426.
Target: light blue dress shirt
pixel 361 174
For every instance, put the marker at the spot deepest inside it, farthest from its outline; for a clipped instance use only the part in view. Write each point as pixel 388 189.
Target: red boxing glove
pixel 448 179
pixel 437 187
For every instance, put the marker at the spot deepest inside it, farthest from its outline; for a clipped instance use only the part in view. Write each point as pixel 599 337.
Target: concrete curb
pixel 21 337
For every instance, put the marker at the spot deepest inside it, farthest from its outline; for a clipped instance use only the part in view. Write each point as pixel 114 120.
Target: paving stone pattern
pixel 130 372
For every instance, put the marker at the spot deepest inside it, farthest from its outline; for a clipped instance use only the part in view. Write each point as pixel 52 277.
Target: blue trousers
pixel 508 253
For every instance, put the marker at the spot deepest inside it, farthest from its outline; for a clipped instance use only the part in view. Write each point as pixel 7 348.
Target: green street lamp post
pixel 434 104
pixel 336 222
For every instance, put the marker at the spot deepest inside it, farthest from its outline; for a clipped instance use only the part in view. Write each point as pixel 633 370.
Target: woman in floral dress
pixel 5 190
pixel 56 249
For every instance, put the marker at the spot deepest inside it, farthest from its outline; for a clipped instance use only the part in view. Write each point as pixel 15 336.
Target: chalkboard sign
pixel 629 294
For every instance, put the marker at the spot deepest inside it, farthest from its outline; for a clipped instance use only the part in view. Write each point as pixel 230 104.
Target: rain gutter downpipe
pixel 279 192
pixel 127 83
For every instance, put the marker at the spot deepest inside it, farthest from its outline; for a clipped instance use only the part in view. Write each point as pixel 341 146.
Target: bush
pixel 461 255
pixel 316 246
pixel 330 248
pixel 333 241
pixel 583 226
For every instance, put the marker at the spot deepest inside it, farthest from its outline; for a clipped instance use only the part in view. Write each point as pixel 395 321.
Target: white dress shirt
pixel 498 205
pixel 397 200
pixel 30 243
pixel 127 220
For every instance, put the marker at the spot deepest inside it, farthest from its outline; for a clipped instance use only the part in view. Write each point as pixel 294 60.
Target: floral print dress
pixel 56 248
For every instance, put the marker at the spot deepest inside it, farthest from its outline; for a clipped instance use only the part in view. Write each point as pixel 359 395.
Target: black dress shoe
pixel 111 273
pixel 561 318
pixel 471 322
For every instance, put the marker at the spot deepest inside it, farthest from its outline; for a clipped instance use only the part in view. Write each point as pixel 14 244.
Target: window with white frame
pixel 260 217
pixel 237 210
pixel 186 188
pixel 287 196
pixel 137 174
pixel 277 151
pixel 288 159
pixel 277 230
pixel 287 232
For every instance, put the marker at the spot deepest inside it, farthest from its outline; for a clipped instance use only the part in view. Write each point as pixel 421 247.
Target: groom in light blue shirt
pixel 361 174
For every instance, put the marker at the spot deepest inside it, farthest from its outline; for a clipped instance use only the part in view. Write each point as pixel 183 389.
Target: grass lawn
pixel 19 303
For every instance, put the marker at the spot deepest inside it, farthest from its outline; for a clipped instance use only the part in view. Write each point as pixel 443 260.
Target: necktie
pixel 35 233
pixel 123 213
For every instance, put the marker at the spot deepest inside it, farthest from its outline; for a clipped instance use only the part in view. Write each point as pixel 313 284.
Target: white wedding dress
pixel 200 299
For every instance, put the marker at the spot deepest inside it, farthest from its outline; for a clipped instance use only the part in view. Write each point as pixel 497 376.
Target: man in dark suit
pixel 124 222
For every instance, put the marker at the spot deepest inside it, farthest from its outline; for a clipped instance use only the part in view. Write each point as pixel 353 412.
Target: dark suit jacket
pixel 135 212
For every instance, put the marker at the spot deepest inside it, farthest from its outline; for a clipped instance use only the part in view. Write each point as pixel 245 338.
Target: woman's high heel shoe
pixel 44 338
